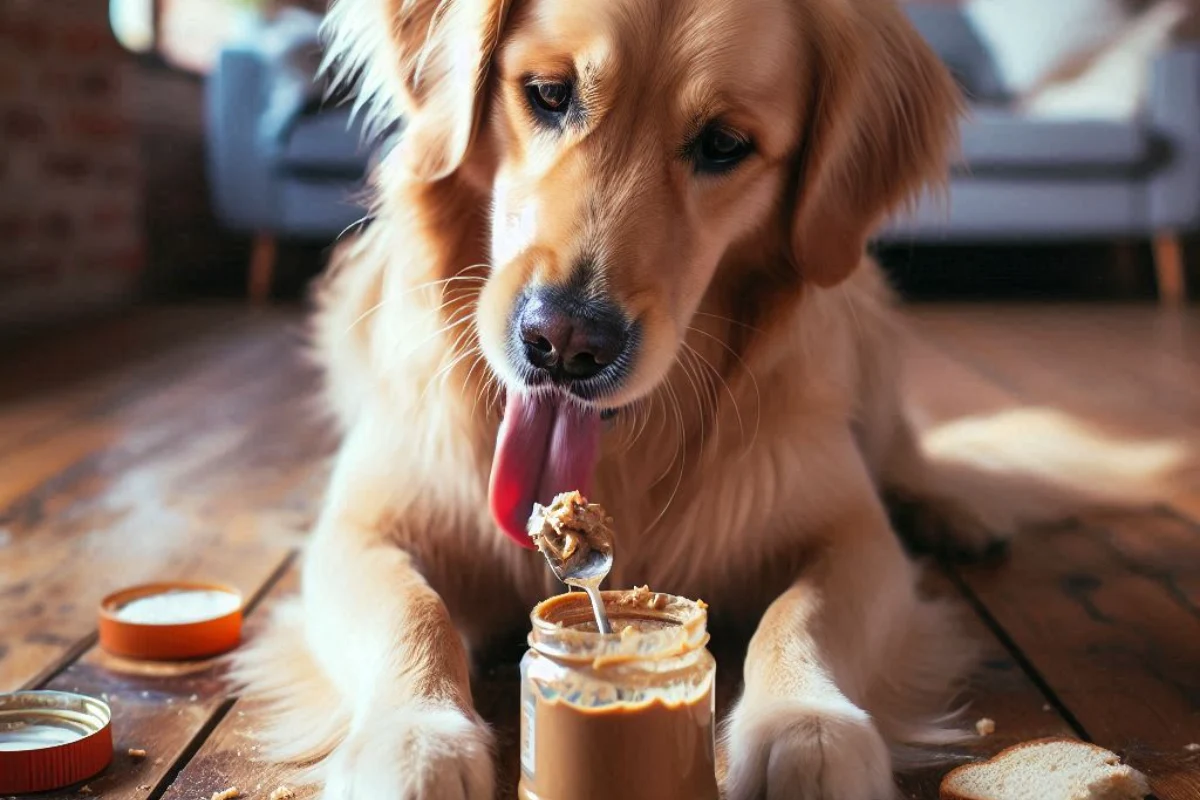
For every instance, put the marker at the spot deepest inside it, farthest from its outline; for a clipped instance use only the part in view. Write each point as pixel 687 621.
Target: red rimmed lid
pixel 49 740
pixel 171 621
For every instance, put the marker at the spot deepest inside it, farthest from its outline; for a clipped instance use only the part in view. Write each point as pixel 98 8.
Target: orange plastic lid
pixel 49 740
pixel 171 621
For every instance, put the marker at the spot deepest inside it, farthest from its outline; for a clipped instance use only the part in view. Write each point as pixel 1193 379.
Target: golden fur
pixel 758 427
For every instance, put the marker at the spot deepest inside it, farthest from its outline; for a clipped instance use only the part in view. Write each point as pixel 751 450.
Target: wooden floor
pixel 179 444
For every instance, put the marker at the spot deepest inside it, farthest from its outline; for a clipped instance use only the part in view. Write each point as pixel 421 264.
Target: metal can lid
pixel 171 621
pixel 49 740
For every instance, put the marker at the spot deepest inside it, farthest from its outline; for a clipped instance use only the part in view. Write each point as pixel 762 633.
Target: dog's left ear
pixel 881 122
pixel 422 62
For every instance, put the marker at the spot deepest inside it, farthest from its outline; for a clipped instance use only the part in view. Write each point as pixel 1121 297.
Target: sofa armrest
pixel 1173 110
pixel 240 177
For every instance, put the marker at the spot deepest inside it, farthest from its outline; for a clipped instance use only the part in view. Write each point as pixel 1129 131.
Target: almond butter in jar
pixel 629 715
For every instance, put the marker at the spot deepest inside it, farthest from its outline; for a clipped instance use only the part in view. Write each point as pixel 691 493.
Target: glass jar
pixel 628 715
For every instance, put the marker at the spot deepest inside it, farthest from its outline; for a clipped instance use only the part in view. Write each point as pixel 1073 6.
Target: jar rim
pixel 552 633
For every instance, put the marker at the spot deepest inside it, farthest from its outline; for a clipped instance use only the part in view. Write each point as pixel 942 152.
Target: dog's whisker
pixel 732 397
pixel 484 383
pixel 730 320
pixel 663 395
pixel 748 372
pixel 458 318
pixel 701 411
pixel 648 407
pixel 680 454
pixel 352 226
pixel 853 311
pixel 496 398
pixel 364 315
pixel 711 395
pixel 442 374
pixel 410 290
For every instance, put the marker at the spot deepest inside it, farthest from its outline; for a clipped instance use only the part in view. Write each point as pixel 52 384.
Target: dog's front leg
pixel 800 730
pixel 386 640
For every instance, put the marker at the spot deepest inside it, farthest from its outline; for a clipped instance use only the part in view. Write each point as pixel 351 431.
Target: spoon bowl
pixel 586 572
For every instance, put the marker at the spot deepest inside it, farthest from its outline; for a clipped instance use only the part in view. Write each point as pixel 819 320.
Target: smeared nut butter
pixel 571 527
pixel 628 715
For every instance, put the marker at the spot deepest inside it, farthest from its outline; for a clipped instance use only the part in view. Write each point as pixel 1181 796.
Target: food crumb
pixel 1047 707
pixel 1192 748
pixel 637 596
pixel 158 761
pixel 985 727
pixel 282 793
pixel 229 794
pixel 85 790
pixel 144 787
pixel 137 752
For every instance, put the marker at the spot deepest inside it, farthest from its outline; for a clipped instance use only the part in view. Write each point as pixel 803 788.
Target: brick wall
pixel 71 211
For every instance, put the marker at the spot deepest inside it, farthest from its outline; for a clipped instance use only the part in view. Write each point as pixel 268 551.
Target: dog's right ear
pixel 881 127
pixel 422 62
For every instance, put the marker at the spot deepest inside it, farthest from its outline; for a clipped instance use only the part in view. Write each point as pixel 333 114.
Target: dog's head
pixel 633 151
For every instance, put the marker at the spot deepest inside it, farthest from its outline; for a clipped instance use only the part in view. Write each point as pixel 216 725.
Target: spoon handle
pixel 602 623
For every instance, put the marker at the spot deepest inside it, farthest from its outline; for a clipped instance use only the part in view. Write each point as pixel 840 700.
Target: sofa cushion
pixel 327 142
pixel 1003 140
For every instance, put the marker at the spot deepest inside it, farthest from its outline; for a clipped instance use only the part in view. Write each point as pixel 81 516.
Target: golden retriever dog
pixel 620 247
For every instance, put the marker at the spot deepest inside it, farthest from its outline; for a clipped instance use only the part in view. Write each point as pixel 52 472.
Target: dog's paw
pixel 950 528
pixel 414 754
pixel 805 751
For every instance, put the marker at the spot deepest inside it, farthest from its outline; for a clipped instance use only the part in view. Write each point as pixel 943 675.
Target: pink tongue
pixel 546 446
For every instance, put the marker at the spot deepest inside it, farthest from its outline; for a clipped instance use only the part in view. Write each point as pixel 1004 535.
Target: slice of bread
pixel 1047 769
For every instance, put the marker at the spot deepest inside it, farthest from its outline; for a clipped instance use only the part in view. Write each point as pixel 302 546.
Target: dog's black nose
pixel 571 338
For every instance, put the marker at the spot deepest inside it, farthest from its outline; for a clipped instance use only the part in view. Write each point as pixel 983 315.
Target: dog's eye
pixel 550 98
pixel 719 149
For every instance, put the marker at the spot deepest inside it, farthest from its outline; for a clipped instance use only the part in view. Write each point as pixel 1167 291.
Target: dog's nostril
pixel 540 353
pixel 582 365
pixel 572 339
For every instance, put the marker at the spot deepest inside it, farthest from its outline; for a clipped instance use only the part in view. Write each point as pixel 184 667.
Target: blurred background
pixel 181 148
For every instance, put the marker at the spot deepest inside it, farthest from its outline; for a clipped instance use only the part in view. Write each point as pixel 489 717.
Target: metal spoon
pixel 587 573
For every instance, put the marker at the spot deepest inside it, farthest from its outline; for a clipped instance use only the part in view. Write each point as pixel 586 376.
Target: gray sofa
pixel 1025 179
pixel 284 163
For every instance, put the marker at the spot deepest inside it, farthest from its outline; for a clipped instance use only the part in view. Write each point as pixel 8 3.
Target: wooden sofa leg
pixel 262 268
pixel 1169 270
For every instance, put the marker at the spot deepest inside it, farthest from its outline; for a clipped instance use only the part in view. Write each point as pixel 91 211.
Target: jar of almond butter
pixel 628 715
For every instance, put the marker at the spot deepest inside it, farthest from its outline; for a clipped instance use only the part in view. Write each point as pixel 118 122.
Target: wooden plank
pixel 226 756
pixel 166 709
pixel 65 378
pixel 1103 361
pixel 1108 612
pixel 213 480
pixel 1126 386
pixel 999 690
pixel 147 405
pixel 1131 374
